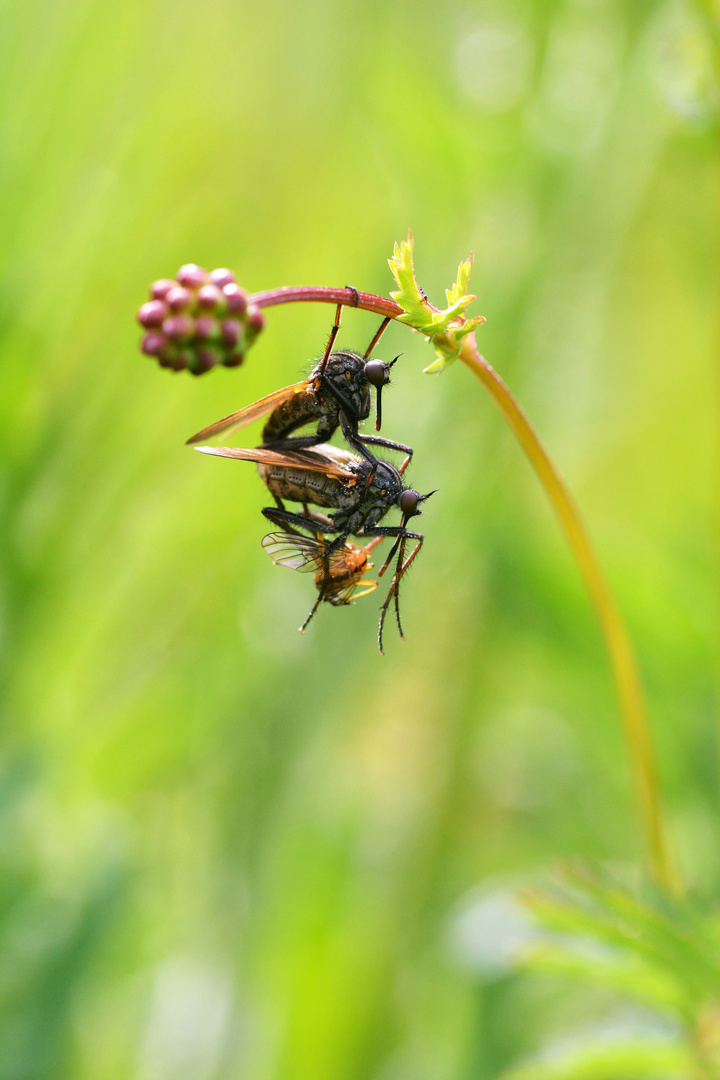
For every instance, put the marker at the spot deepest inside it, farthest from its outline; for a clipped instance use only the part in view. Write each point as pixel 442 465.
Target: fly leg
pixel 383 327
pixel 314 608
pixel 293 442
pixel 313 523
pixel 394 590
pixel 331 339
pixel 377 440
pixel 402 535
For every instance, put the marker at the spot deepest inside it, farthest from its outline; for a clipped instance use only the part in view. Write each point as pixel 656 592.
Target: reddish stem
pixel 319 294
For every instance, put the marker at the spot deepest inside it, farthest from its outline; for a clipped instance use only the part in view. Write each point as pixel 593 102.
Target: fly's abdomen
pixel 301 485
pixel 291 414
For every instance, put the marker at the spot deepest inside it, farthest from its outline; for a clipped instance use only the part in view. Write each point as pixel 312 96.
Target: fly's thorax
pixel 344 569
pixel 387 484
pixel 384 493
pixel 346 371
pixel 356 512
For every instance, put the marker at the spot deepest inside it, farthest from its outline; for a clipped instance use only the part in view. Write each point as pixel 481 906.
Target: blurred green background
pixel 228 851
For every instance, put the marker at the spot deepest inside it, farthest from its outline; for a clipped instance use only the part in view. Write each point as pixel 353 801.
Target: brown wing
pixel 297 458
pixel 250 412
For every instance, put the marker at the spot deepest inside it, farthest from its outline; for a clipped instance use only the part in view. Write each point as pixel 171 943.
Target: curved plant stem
pixel 320 294
pixel 622 658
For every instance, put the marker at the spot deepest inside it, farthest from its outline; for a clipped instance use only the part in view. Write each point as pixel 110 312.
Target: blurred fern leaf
pixel 634 1060
pixel 642 945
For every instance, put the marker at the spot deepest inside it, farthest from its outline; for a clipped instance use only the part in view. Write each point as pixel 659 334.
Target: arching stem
pixel 622 658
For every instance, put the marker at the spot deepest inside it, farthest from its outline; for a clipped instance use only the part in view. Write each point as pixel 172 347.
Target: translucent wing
pixel 303 553
pixel 249 413
pixel 304 459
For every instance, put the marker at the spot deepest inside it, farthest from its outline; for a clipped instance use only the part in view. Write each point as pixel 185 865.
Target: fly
pixel 359 492
pixel 336 394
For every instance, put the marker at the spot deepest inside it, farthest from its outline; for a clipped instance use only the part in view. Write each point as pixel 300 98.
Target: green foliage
pixel 446 328
pixel 632 1060
pixel 657 950
pixel 228 851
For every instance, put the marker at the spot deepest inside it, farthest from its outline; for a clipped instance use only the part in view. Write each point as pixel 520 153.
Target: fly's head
pixel 390 492
pixel 409 503
pixel 377 373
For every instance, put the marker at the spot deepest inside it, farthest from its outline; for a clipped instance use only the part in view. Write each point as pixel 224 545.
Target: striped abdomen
pixel 301 485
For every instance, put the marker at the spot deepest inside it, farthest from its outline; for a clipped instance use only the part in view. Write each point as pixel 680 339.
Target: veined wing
pixel 304 459
pixel 249 413
pixel 303 553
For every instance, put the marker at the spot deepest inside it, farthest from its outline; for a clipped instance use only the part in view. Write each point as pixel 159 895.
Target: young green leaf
pixel 444 328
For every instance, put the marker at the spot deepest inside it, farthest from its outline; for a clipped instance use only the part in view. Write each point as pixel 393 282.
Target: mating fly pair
pixel 359 487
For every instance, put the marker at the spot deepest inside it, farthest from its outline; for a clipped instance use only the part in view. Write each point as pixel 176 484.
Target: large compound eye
pixel 409 502
pixel 376 373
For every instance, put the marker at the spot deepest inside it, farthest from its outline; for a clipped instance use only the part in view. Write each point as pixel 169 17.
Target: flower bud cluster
pixel 198 320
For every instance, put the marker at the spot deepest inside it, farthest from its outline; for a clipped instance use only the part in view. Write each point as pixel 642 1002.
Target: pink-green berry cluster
pixel 198 321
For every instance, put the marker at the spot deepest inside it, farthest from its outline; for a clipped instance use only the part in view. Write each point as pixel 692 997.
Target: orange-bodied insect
pixel 338 574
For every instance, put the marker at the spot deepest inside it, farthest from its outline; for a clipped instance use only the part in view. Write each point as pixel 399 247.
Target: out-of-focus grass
pixel 227 850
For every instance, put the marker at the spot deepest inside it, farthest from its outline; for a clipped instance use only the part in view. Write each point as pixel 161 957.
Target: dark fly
pixel 336 394
pixel 359 492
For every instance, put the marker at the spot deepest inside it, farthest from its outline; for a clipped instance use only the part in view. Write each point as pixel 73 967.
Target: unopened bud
pixel 236 299
pixel 234 360
pixel 160 289
pixel 222 277
pixel 209 297
pixel 255 321
pixel 203 360
pixel 153 343
pixel 191 276
pixel 207 328
pixel 178 327
pixel 152 313
pixel 178 299
pixel 181 361
pixel 230 333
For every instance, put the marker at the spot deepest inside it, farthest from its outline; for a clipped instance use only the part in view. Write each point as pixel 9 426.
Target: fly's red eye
pixel 376 372
pixel 409 502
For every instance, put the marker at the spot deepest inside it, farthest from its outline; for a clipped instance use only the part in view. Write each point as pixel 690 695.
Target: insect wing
pixel 249 413
pixel 289 458
pixel 303 553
